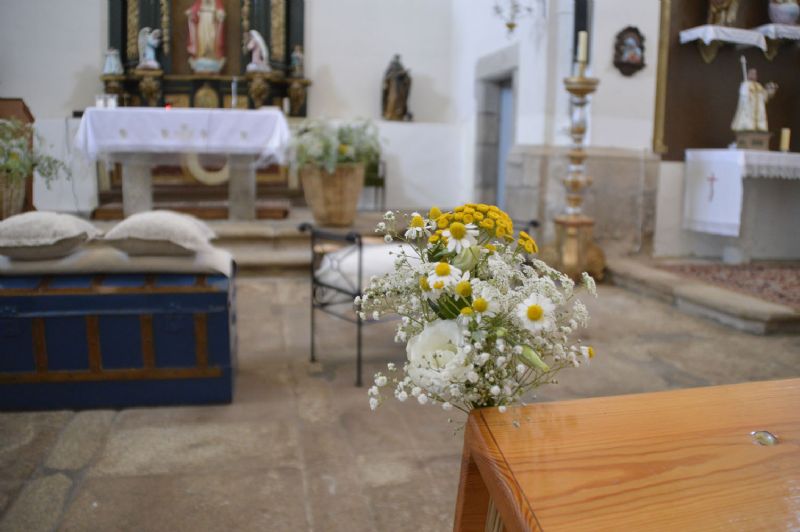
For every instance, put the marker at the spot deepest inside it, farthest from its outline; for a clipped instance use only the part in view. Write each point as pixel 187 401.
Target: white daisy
pixel 417 228
pixel 536 313
pixel 588 352
pixel 443 276
pixel 460 236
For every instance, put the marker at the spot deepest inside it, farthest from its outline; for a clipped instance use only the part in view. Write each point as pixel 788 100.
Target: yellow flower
pixel 491 247
pixel 482 208
pixel 468 219
pixel 464 289
pixel 493 215
pixel 480 305
pixel 501 231
pixel 417 221
pixel 590 350
pixel 343 148
pixel 434 239
pixel 458 230
pixel 488 223
pixel 478 216
pixel 468 210
pixel 466 311
pixel 434 213
pixel 438 285
pixel 442 269
pixel 423 283
pixel 535 312
pixel 459 216
pixel 443 222
pixel 458 209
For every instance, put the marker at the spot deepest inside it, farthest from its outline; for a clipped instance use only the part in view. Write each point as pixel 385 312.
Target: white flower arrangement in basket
pixel 485 322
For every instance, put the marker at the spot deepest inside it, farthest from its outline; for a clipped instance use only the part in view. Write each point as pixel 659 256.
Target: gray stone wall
pixel 622 198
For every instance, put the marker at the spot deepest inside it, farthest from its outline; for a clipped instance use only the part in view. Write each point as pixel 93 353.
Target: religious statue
pixel 149 40
pixel 259 53
pixel 206 42
pixel 751 112
pixel 297 66
pixel 112 65
pixel 629 51
pixel 396 88
pixel 722 12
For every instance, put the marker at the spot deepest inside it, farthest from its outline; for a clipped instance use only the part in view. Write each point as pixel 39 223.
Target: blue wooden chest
pixel 117 340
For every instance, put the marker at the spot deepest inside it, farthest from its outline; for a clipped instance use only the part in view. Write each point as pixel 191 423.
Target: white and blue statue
pixel 259 53
pixel 149 41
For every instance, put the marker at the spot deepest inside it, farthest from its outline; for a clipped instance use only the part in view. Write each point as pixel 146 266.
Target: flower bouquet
pixel 483 320
pixel 331 161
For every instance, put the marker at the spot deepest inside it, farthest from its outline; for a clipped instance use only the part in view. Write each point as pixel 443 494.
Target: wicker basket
pixel 333 198
pixel 12 196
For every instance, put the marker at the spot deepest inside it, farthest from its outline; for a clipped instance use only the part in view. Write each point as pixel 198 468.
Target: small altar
pixel 141 138
pixel 748 198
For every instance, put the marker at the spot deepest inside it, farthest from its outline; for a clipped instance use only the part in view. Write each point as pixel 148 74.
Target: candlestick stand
pixel 575 247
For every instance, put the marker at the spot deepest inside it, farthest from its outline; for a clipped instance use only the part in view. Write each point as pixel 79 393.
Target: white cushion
pixel 160 233
pixel 340 268
pixel 43 235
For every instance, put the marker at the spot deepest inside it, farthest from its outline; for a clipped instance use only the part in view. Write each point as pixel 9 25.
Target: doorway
pixel 505 136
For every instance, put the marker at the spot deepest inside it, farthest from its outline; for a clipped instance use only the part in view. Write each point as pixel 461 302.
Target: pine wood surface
pixel 677 460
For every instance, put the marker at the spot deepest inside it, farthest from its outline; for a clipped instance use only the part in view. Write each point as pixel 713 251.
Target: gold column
pixel 577 252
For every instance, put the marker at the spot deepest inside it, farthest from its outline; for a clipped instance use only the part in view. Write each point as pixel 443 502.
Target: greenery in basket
pixel 322 143
pixel 18 159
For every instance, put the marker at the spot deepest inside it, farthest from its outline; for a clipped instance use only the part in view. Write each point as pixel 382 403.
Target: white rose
pixel 434 361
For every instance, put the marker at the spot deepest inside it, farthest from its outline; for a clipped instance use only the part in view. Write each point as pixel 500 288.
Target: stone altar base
pixel 621 200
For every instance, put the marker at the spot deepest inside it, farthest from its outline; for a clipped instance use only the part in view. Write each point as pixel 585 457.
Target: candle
pixel 100 100
pixel 583 43
pixel 286 106
pixel 786 135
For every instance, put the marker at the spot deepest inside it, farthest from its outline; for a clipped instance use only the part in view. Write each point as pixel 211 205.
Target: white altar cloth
pixel 709 33
pixel 775 32
pixel 714 188
pixel 107 133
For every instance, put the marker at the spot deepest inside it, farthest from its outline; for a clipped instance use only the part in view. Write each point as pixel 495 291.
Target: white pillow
pixel 340 268
pixel 160 233
pixel 41 235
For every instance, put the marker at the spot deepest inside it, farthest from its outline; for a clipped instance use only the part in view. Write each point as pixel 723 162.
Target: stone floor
pixel 300 450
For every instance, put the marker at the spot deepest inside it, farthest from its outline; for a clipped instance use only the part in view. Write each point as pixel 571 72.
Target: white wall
pixel 623 108
pixel 349 44
pixel 52 53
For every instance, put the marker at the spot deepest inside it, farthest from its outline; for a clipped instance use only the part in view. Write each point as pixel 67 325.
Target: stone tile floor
pixel 300 450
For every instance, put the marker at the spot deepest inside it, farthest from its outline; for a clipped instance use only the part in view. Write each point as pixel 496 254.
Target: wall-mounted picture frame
pixel 629 51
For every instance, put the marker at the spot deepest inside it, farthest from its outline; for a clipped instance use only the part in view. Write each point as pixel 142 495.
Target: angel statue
pixel 722 12
pixel 751 111
pixel 149 40
pixel 259 53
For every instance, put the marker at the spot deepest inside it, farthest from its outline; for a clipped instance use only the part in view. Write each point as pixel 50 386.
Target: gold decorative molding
pixel 206 96
pixel 165 26
pixel 278 29
pixel 661 78
pixel 133 30
pixel 245 23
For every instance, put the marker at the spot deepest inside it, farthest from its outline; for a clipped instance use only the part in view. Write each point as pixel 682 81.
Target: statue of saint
pixel 723 12
pixel 751 112
pixel 396 88
pixel 297 61
pixel 206 43
pixel 259 53
pixel 149 40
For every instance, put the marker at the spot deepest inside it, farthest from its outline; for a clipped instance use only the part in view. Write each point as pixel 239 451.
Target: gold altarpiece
pixel 280 22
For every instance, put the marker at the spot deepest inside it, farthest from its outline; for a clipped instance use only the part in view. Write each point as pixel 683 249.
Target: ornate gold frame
pixel 165 25
pixel 133 22
pixel 661 78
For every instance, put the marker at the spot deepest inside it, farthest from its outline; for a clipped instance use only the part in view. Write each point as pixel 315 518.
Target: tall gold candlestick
pixel 574 230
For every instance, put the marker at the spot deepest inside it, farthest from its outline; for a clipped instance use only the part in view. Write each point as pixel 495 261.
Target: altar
pixel 140 138
pixel 749 198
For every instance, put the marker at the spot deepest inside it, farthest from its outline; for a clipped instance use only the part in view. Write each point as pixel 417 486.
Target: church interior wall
pixel 52 53
pixel 623 108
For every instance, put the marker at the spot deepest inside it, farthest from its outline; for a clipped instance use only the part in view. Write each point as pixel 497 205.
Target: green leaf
pixel 531 359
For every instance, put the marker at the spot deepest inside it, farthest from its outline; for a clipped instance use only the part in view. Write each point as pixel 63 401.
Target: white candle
pixel 100 101
pixel 286 106
pixel 786 136
pixel 583 46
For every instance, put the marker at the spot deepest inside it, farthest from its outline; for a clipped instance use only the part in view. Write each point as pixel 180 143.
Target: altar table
pixel 751 197
pixel 677 460
pixel 142 137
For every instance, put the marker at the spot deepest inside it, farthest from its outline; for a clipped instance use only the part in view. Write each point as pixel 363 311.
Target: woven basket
pixel 333 198
pixel 12 196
